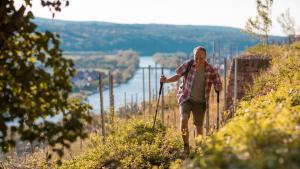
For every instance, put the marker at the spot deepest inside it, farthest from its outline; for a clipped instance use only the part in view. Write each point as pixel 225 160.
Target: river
pixel 133 88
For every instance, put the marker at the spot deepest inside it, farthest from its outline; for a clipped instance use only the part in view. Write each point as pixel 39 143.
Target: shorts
pixel 198 109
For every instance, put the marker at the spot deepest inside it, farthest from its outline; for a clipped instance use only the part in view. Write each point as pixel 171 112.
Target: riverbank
pixel 121 65
pixel 133 88
pixel 83 94
pixel 170 60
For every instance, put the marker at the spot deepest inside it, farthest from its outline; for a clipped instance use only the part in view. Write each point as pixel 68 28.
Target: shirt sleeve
pixel 217 80
pixel 182 68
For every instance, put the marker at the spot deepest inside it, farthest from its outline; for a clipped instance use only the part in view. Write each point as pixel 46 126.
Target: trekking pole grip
pixel 160 89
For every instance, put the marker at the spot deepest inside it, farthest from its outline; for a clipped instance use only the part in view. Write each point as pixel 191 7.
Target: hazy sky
pixel 193 12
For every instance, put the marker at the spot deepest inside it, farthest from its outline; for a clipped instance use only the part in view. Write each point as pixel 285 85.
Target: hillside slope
pixel 265 131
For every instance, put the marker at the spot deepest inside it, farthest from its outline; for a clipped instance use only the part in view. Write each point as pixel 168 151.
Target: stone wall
pixel 247 68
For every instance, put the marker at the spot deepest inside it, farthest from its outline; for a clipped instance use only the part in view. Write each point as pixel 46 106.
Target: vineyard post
pixel 144 104
pixel 149 80
pixel 111 95
pixel 162 100
pixel 101 108
pixel 235 83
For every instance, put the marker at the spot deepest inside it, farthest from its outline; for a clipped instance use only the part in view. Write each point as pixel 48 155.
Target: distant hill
pixel 146 39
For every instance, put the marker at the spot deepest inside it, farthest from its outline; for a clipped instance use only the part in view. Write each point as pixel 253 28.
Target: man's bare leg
pixel 185 130
pixel 185 134
pixel 199 130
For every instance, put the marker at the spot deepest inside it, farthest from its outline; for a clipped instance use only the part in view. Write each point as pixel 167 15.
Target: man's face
pixel 199 58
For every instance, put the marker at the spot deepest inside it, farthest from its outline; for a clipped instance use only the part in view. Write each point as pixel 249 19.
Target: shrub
pixel 132 145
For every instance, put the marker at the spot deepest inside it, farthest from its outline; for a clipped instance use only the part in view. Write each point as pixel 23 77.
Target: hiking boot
pixel 186 149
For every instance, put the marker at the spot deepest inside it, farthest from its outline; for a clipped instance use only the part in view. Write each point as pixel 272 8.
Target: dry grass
pixel 172 115
pixel 171 119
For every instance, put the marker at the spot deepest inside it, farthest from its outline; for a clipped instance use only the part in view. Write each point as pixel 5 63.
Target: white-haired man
pixel 193 94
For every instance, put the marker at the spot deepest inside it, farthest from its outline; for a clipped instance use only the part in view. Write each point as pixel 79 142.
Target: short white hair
pixel 198 48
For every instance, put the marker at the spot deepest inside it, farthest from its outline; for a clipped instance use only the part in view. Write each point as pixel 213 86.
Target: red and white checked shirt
pixel 211 77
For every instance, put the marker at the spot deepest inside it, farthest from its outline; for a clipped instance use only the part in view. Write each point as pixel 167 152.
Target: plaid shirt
pixel 211 77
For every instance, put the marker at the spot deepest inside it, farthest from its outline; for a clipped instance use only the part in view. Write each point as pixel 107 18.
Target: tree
pixel 260 26
pixel 287 23
pixel 35 82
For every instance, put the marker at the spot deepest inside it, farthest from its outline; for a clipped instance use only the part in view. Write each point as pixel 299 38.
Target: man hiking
pixel 193 93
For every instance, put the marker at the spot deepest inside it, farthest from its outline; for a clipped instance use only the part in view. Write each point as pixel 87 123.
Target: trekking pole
pixel 218 114
pixel 160 89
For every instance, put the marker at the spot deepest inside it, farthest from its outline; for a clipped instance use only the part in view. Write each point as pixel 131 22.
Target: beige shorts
pixel 198 109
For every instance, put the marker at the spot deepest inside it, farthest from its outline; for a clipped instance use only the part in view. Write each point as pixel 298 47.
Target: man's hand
pixel 173 78
pixel 218 88
pixel 163 79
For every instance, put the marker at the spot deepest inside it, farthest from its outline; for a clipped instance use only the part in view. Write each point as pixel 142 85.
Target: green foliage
pixel 132 145
pixel 265 133
pixel 285 68
pixel 274 51
pixel 35 82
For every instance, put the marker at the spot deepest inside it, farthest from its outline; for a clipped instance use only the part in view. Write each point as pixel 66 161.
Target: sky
pixel 233 13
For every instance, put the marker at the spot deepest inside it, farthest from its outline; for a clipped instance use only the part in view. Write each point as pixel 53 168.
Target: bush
pixel 132 145
pixel 265 133
pixel 285 69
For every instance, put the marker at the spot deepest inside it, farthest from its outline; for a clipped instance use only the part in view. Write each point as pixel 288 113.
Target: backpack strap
pixel 190 64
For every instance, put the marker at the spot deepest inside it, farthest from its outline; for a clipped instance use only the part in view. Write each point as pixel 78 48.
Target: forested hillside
pixel 146 39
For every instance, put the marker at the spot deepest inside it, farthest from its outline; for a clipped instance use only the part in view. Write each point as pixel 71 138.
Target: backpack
pixel 190 64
